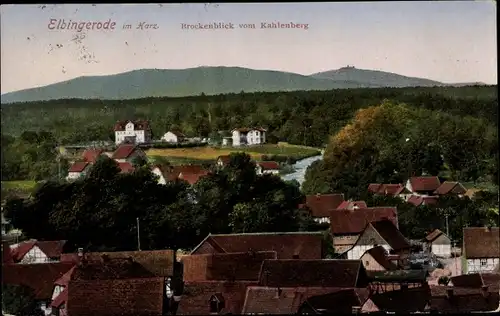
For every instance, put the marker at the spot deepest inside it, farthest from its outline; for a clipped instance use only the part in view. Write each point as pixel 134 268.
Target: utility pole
pixel 138 236
pixel 447 229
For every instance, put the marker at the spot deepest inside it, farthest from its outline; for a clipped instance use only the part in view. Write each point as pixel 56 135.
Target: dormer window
pixel 216 303
pixel 129 126
pixel 168 288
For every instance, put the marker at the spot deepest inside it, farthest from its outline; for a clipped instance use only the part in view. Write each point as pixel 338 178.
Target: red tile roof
pixel 269 165
pixel 192 178
pixel 462 300
pixel 433 235
pixel 226 266
pixel 481 242
pixel 52 249
pixel 126 167
pixel 196 296
pixel 418 200
pixel 248 129
pixel 124 151
pixel 345 222
pixel 321 204
pixel 306 245
pixel 386 189
pixel 448 187
pixel 141 296
pixel 391 234
pixel 424 184
pixel 301 273
pixel 78 166
pixel 269 300
pixel 138 125
pixel 379 254
pixel 40 277
pixel 90 155
pixel 341 301
pixel 351 205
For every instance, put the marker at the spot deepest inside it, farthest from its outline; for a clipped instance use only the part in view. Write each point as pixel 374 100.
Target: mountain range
pixel 145 83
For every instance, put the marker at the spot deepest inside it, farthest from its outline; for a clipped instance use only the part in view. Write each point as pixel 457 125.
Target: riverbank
pixel 301 168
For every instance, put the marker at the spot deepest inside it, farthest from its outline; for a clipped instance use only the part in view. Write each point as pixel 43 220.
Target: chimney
pixel 484 290
pixel 356 309
pixel 449 293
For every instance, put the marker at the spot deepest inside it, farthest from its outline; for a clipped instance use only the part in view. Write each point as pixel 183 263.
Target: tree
pixel 140 161
pixel 19 300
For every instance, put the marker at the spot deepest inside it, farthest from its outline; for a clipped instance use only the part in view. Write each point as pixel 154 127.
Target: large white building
pixel 248 136
pixel 135 132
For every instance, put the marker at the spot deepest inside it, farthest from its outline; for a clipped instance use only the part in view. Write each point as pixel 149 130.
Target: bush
pixel 279 158
pixel 444 280
pixel 19 300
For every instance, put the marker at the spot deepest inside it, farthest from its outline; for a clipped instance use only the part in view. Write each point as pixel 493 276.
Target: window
pixel 482 262
pixel 216 303
pixel 367 263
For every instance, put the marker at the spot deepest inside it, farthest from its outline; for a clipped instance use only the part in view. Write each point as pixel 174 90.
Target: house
pixel 90 155
pixel 481 248
pixel 380 233
pixel 239 266
pixel 38 277
pixel 423 185
pixel 392 280
pixel 134 132
pixel 163 173
pixel 77 170
pixel 349 301
pixel 223 160
pixel 438 243
pixel 347 225
pixel 127 153
pixel 126 167
pixel 351 205
pixel 294 245
pixel 450 187
pixel 34 251
pixel 285 285
pixel 320 205
pixel 248 136
pixel 227 141
pixel 447 299
pixel 110 286
pixel 405 300
pixel 267 167
pixel 419 200
pixel 192 177
pixel 395 190
pixel 173 137
pixel 376 259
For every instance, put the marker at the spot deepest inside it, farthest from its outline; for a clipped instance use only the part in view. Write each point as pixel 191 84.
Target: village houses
pixel 438 243
pixel 134 132
pixel 248 136
pixel 173 137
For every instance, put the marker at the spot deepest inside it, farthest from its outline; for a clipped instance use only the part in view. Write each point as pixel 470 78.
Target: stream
pixel 300 169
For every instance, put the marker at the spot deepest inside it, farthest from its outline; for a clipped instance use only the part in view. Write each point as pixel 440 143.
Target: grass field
pixel 18 185
pixel 488 186
pixel 200 154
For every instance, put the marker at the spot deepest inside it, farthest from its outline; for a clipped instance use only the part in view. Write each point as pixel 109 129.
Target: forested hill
pixel 297 117
pixel 210 81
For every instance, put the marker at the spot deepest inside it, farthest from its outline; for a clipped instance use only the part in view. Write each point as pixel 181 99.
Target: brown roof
pixel 476 280
pixel 448 187
pixel 138 125
pixel 391 234
pixel 433 235
pixel 225 266
pixel 343 222
pixel 481 242
pixel 126 167
pixel 269 300
pixel 142 296
pixel 158 262
pixel 109 269
pixel 39 277
pixel 78 166
pixel 403 301
pixel 350 205
pixel 248 129
pixel 463 300
pixel 339 301
pixel 424 184
pixel 306 245
pixel 299 273
pixel 124 151
pixel 196 296
pixel 90 155
pixel 379 254
pixel 269 165
pixel 321 204
pixel 192 178
pixel 418 200
pixel 386 189
pixel 178 133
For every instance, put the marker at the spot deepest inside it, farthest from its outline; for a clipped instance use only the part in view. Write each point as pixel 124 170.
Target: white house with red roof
pixel 424 185
pixel 248 136
pixel 267 167
pixel 78 169
pixel 135 132
pixel 173 137
pixel 127 153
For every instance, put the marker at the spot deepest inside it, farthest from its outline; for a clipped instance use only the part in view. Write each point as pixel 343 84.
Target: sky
pixel 445 41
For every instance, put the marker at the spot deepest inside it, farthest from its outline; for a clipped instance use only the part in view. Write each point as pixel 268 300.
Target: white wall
pixel 35 255
pixel 158 172
pixel 170 137
pixel 357 251
pixel 322 220
pixel 74 175
pixel 441 250
pixel 139 135
pixel 236 138
pixel 481 265
pixel 255 137
pixel 57 290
